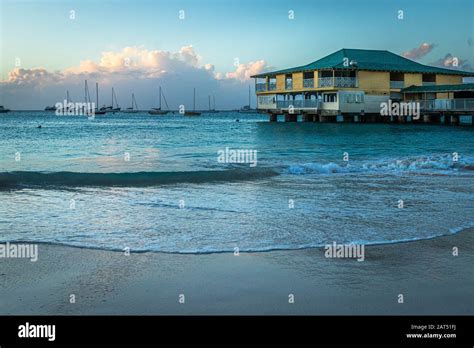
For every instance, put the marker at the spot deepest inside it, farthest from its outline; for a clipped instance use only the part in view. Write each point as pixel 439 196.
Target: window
pixel 266 100
pixel 330 97
pixel 429 78
pixel 289 81
pixel 396 76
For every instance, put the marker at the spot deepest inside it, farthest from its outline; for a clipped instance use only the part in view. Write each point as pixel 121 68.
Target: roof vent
pixel 353 63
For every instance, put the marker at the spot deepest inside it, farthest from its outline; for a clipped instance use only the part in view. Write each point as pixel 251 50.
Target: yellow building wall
pixel 316 76
pixel 374 81
pixel 298 80
pixel 448 79
pixel 280 82
pixel 445 95
pixel 413 79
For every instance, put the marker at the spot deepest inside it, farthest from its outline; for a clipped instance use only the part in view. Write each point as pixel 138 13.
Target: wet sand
pixel 431 279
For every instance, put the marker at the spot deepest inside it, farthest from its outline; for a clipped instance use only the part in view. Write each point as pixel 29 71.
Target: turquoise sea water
pixel 155 183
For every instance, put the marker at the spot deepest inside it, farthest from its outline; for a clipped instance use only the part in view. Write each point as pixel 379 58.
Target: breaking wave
pixel 423 164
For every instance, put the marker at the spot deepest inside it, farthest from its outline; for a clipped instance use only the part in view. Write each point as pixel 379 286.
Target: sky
pixel 213 45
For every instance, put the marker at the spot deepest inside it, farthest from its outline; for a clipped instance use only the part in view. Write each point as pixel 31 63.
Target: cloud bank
pixel 134 70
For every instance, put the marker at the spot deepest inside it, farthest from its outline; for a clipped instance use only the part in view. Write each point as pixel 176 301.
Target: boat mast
pixel 112 97
pixel 97 94
pixel 67 97
pixel 214 99
pixel 160 98
pixel 194 100
pixel 134 102
pixel 209 103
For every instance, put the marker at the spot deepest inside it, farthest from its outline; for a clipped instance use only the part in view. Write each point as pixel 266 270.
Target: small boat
pixel 97 111
pixel 3 110
pixel 111 108
pixel 134 108
pixel 194 112
pixel 246 109
pixel 50 108
pixel 213 110
pixel 158 111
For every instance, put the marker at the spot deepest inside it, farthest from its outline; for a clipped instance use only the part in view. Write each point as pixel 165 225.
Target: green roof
pixel 440 88
pixel 374 60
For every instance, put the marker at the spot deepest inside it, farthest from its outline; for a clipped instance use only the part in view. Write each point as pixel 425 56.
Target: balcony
pixel 261 87
pixel 308 83
pixel 272 86
pixel 337 82
pixel 428 83
pixel 447 104
pixel 397 84
pixel 289 84
pixel 298 104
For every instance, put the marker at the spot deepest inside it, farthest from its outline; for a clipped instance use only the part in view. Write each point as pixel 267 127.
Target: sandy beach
pixel 431 279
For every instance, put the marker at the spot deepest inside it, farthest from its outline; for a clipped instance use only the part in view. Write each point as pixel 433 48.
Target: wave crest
pixel 443 163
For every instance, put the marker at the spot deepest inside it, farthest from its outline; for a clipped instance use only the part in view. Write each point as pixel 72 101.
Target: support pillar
pixel 272 117
pixel 325 119
pixel 291 118
pixel 454 120
pixel 307 118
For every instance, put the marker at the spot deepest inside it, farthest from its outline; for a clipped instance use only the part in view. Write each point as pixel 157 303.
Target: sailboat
pixel 134 108
pixel 194 112
pixel 158 111
pixel 213 110
pixel 246 108
pixel 97 111
pixel 68 99
pixel 3 110
pixel 112 108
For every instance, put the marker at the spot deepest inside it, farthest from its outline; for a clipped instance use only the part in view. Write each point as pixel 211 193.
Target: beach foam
pixel 422 164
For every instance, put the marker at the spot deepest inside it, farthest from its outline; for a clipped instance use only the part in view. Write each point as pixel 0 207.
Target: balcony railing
pixel 289 84
pixel 397 84
pixel 337 82
pixel 447 104
pixel 429 83
pixel 308 83
pixel 297 104
pixel 261 87
pixel 272 86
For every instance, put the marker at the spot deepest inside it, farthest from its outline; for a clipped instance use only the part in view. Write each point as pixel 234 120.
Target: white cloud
pixel 244 71
pixel 133 69
pixel 419 52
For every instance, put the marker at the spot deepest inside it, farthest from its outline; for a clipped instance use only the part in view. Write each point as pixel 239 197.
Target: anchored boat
pixel 3 110
pixel 134 108
pixel 159 111
pixel 194 112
